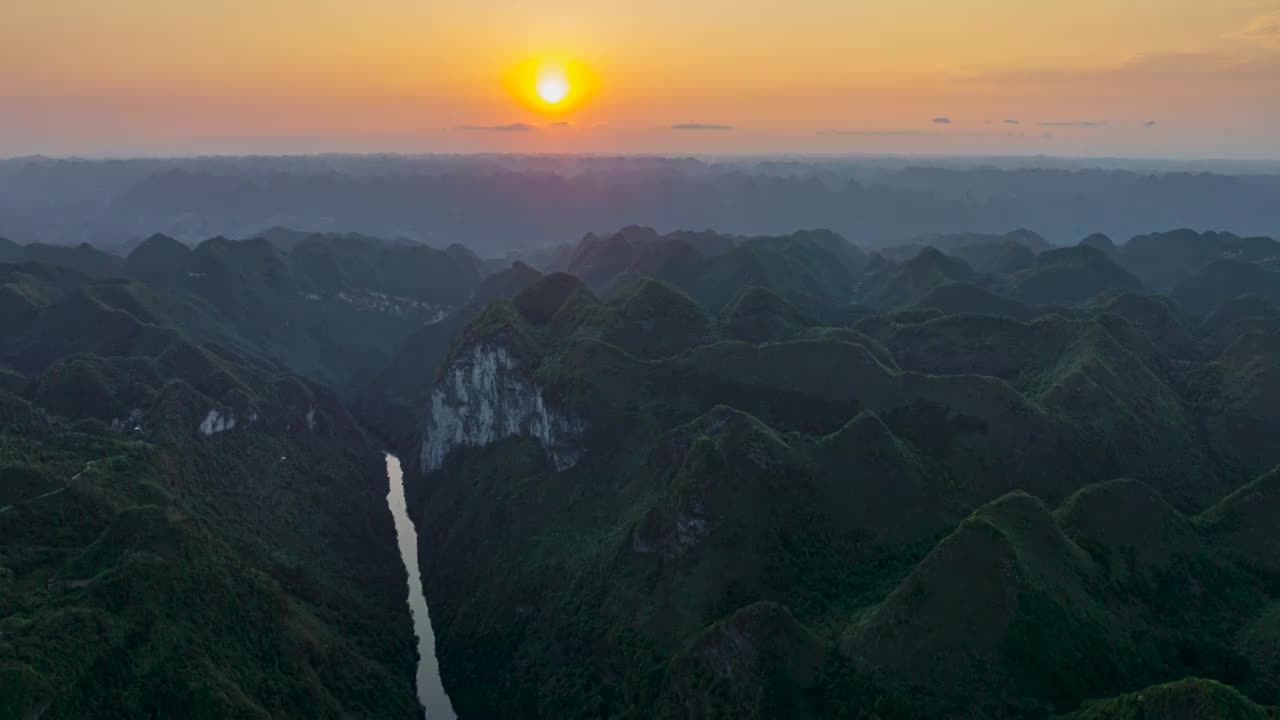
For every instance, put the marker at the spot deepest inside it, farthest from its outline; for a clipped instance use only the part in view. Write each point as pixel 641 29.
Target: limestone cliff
pixel 484 397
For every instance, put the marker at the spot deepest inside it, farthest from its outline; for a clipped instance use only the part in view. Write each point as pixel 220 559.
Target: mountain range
pixel 544 200
pixel 785 477
pixel 685 474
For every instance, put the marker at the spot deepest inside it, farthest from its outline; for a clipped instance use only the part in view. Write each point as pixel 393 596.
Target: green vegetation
pixel 975 477
pixel 186 529
pixel 1188 699
pixel 782 509
pixel 1070 276
pixel 193 582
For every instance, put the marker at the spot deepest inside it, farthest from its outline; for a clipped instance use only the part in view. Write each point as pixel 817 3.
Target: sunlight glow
pixel 551 87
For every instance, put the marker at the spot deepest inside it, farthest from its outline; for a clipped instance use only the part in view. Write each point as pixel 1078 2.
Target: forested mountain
pixel 187 529
pixel 684 474
pixel 192 522
pixel 333 308
pixel 780 477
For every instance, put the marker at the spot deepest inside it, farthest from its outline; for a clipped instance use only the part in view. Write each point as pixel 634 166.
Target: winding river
pixel 430 692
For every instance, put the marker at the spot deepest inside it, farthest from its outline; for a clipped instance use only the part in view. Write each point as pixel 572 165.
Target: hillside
pixel 668 475
pixel 186 528
pixel 1163 260
pixel 913 280
pixel 761 508
pixel 331 307
pixel 810 267
pixel 1070 276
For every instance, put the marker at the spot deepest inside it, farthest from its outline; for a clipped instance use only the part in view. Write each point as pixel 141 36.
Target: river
pixel 430 692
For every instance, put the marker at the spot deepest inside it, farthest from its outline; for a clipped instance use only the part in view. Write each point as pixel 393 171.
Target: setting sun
pixel 551 86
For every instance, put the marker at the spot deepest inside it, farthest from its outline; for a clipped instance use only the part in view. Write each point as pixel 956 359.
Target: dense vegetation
pixel 755 477
pixel 980 478
pixel 191 522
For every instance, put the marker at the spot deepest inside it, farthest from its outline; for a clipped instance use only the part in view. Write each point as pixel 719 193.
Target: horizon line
pixel 107 156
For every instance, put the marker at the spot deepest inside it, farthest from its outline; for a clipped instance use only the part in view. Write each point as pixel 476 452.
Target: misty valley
pixel 641 474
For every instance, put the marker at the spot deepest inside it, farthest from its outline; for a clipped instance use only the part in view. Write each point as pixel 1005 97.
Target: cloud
pixel 1047 136
pixel 1074 123
pixel 870 133
pixel 942 121
pixel 1149 123
pixel 1142 67
pixel 837 132
pixel 510 127
pixel 700 126
pixel 1012 122
pixel 561 124
pixel 1264 29
pixel 1202 75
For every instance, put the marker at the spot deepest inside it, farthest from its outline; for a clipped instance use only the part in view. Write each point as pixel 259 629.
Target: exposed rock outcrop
pixel 484 398
pixel 216 422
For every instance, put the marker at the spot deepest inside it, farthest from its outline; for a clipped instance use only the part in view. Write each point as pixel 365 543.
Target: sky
pixel 1137 78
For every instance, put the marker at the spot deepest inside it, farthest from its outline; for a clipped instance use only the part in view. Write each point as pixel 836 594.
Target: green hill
pixel 1070 276
pixel 1001 254
pixel 186 530
pixel 757 663
pixel 82 258
pixel 697 475
pixel 1238 309
pixel 159 260
pixel 1000 610
pixel 758 315
pixel 912 281
pixel 966 298
pixel 334 308
pixel 1225 280
pixel 663 472
pixel 1164 260
pixel 1155 316
pixel 809 267
pixel 1190 699
pixel 1243 522
pixel 1099 241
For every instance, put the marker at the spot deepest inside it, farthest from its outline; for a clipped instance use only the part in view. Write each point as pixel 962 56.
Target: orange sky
pixel 831 76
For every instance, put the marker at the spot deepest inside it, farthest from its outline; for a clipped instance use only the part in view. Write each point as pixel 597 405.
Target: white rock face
pixel 483 399
pixel 216 422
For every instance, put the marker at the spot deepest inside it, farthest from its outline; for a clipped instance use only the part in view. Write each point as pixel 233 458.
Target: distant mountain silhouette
pixel 496 204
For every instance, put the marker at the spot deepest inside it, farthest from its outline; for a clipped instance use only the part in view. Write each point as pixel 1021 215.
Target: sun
pixel 552 84
pixel 549 86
